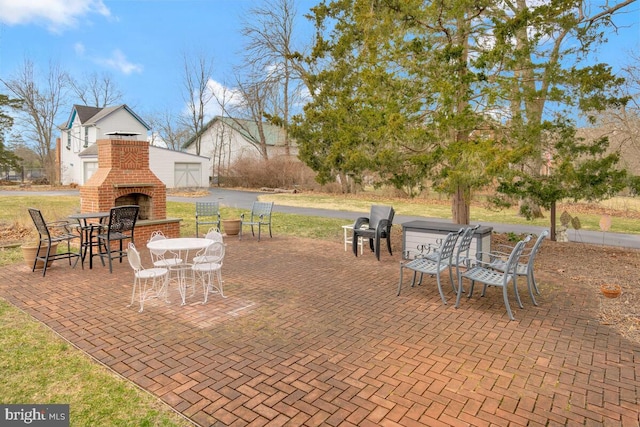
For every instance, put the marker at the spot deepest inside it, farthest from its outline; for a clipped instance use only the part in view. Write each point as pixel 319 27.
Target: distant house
pixel 225 140
pixel 78 154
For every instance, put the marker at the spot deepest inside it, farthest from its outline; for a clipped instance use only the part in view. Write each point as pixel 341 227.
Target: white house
pixel 78 154
pixel 225 140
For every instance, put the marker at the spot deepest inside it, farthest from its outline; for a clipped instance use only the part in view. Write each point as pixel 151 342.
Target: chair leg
pixel 108 243
pixel 444 301
pixel 377 247
pixel 530 289
pixel 46 259
pixel 221 284
pixel 414 278
pixel 400 282
pixel 389 244
pixel 133 293
pixel 459 293
pixel 453 286
pixel 506 302
pixel 515 290
pixel 259 230
pixel 354 243
pixel 205 286
pixel 533 282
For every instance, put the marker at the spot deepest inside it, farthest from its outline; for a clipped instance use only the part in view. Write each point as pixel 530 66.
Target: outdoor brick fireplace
pixel 123 177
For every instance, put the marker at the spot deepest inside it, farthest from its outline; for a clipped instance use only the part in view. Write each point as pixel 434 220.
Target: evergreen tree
pixel 8 160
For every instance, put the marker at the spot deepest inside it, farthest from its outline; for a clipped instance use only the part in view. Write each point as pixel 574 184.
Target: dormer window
pixel 86 137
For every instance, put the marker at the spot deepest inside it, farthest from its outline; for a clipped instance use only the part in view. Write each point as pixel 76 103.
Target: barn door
pixel 188 175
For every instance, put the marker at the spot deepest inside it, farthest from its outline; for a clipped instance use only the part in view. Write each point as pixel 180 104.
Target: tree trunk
pixel 552 214
pixel 460 205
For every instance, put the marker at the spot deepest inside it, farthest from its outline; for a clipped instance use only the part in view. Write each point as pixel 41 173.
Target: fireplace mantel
pixel 139 184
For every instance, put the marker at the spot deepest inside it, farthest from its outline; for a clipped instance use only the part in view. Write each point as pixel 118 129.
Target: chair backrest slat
pixel 448 246
pixel 514 257
pixel 123 218
pixel 462 254
pixel 261 208
pixel 39 222
pixel 207 209
pixel 134 257
pixel 214 234
pixel 535 248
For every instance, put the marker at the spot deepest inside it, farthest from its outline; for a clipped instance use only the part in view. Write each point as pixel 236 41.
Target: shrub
pixel 280 172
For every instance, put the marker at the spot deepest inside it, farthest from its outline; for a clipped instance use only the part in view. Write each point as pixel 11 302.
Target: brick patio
pixel 310 335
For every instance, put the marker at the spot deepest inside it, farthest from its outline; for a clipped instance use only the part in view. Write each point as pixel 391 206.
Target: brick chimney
pixel 124 178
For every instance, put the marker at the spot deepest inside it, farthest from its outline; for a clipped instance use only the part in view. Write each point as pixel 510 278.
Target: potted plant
pixel 30 249
pixel 610 290
pixel 231 227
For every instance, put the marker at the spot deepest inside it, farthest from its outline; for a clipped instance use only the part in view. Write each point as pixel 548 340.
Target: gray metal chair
pixel 379 221
pixel 523 268
pixel 121 226
pixel 483 272
pixel 54 232
pixel 462 258
pixel 434 265
pixel 260 215
pixel 207 213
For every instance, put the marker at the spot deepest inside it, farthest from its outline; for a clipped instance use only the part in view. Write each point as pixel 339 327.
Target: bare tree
pixel 197 71
pixel 221 151
pixel 273 81
pixel 97 90
pixel 622 125
pixel 169 130
pixel 41 102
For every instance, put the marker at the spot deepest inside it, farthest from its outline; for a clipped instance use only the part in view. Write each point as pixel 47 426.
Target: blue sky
pixel 139 43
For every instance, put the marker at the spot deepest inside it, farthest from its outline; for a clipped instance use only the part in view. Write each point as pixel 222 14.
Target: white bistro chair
pixel 158 256
pixel 206 264
pixel 158 277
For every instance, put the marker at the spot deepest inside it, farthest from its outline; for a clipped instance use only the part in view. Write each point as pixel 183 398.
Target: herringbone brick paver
pixel 310 335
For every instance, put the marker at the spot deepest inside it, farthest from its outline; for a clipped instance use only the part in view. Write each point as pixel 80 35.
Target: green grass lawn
pixel 624 211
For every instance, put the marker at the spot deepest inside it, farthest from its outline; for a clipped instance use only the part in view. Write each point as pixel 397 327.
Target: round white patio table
pixel 181 247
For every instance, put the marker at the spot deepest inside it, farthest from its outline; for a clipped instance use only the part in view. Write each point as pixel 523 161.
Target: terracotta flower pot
pixel 29 251
pixel 610 290
pixel 231 226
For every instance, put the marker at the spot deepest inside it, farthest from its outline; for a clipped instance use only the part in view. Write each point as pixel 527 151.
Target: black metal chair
pixel 379 224
pixel 207 213
pixel 54 232
pixel 121 226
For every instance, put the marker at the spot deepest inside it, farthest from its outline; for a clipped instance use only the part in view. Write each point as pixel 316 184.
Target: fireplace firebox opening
pixel 139 199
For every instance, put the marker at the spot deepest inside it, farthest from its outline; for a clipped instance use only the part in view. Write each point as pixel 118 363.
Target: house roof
pixel 89 116
pixel 248 129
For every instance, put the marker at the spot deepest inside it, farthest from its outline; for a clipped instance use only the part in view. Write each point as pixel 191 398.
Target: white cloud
pixel 230 97
pixel 119 62
pixel 56 15
pixel 79 49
